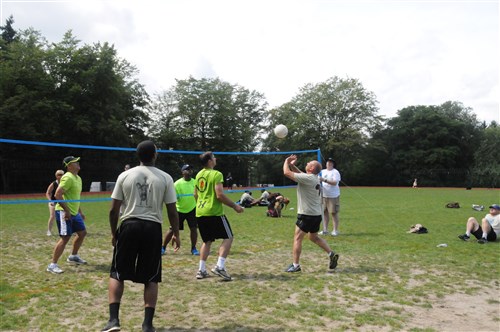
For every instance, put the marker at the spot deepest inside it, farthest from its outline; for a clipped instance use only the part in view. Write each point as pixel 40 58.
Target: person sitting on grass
pixel 489 229
pixel 247 200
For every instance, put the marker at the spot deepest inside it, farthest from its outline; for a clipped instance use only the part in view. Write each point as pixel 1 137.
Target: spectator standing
pixel 229 181
pixel 330 179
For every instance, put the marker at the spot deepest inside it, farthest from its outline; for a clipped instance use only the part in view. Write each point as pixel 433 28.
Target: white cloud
pixel 406 52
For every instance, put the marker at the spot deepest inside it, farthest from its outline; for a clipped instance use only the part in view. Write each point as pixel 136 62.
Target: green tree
pixel 337 116
pixel 8 32
pixel 67 93
pixel 486 169
pixel 432 143
pixel 210 114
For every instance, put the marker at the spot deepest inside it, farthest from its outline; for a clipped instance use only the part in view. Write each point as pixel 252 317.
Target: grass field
pixel 386 280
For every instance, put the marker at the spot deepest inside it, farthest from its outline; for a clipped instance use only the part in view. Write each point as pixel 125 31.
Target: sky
pixel 406 52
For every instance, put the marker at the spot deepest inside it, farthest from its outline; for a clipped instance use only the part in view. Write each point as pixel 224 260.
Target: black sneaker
pixel 221 273
pixel 113 325
pixel 464 237
pixel 482 241
pixel 333 260
pixel 292 268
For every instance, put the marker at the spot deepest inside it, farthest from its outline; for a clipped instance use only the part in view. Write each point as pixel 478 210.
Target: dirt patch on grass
pixel 459 312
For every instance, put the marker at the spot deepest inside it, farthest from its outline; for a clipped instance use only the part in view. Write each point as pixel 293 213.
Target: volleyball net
pixel 28 167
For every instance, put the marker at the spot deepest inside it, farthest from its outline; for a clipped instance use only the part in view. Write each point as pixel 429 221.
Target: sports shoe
pixel 75 259
pixel 113 325
pixel 292 268
pixel 195 252
pixel 464 237
pixel 335 233
pixel 163 251
pixel 323 233
pixel 49 233
pixel 482 241
pixel 54 268
pixel 333 260
pixel 201 274
pixel 221 273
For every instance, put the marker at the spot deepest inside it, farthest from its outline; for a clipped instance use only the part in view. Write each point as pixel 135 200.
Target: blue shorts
pixel 68 227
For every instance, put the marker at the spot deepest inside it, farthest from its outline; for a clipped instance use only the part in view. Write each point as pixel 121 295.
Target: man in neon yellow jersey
pixel 186 207
pixel 69 216
pixel 212 223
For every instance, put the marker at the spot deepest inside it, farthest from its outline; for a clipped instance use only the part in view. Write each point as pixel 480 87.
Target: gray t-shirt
pixel 144 189
pixel 308 194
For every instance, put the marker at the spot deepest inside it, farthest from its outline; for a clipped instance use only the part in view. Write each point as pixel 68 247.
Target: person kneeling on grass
pixel 489 229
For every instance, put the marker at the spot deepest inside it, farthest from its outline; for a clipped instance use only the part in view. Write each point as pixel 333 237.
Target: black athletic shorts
pixel 190 217
pixel 137 254
pixel 308 224
pixel 491 237
pixel 214 227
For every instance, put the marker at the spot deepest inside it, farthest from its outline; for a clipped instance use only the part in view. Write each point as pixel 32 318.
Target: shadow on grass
pixel 358 270
pixel 97 267
pixel 362 234
pixel 225 328
pixel 263 276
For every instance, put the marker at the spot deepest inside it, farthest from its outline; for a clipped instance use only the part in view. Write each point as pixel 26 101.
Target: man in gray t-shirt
pixel 308 208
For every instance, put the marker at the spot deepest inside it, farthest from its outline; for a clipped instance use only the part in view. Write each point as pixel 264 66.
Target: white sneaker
pixel 49 233
pixel 323 233
pixel 335 233
pixel 76 259
pixel 54 268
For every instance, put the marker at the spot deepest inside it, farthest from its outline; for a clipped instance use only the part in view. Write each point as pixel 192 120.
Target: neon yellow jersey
pixel 72 185
pixel 185 199
pixel 208 204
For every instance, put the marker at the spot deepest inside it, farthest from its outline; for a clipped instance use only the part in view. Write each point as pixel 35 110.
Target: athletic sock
pixel 485 235
pixel 203 265
pixel 467 233
pixel 221 262
pixel 149 312
pixel 114 310
pixel 295 265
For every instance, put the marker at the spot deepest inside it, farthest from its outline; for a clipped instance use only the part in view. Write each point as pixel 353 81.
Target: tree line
pixel 67 92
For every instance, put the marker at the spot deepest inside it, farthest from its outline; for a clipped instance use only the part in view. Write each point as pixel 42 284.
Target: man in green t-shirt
pixel 186 208
pixel 69 216
pixel 212 223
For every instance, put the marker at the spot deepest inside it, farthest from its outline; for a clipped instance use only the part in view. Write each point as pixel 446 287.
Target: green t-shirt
pixel 72 185
pixel 185 199
pixel 208 204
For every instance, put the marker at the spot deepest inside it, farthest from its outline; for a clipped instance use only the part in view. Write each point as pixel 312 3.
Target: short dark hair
pixel 205 157
pixel 317 167
pixel 146 151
